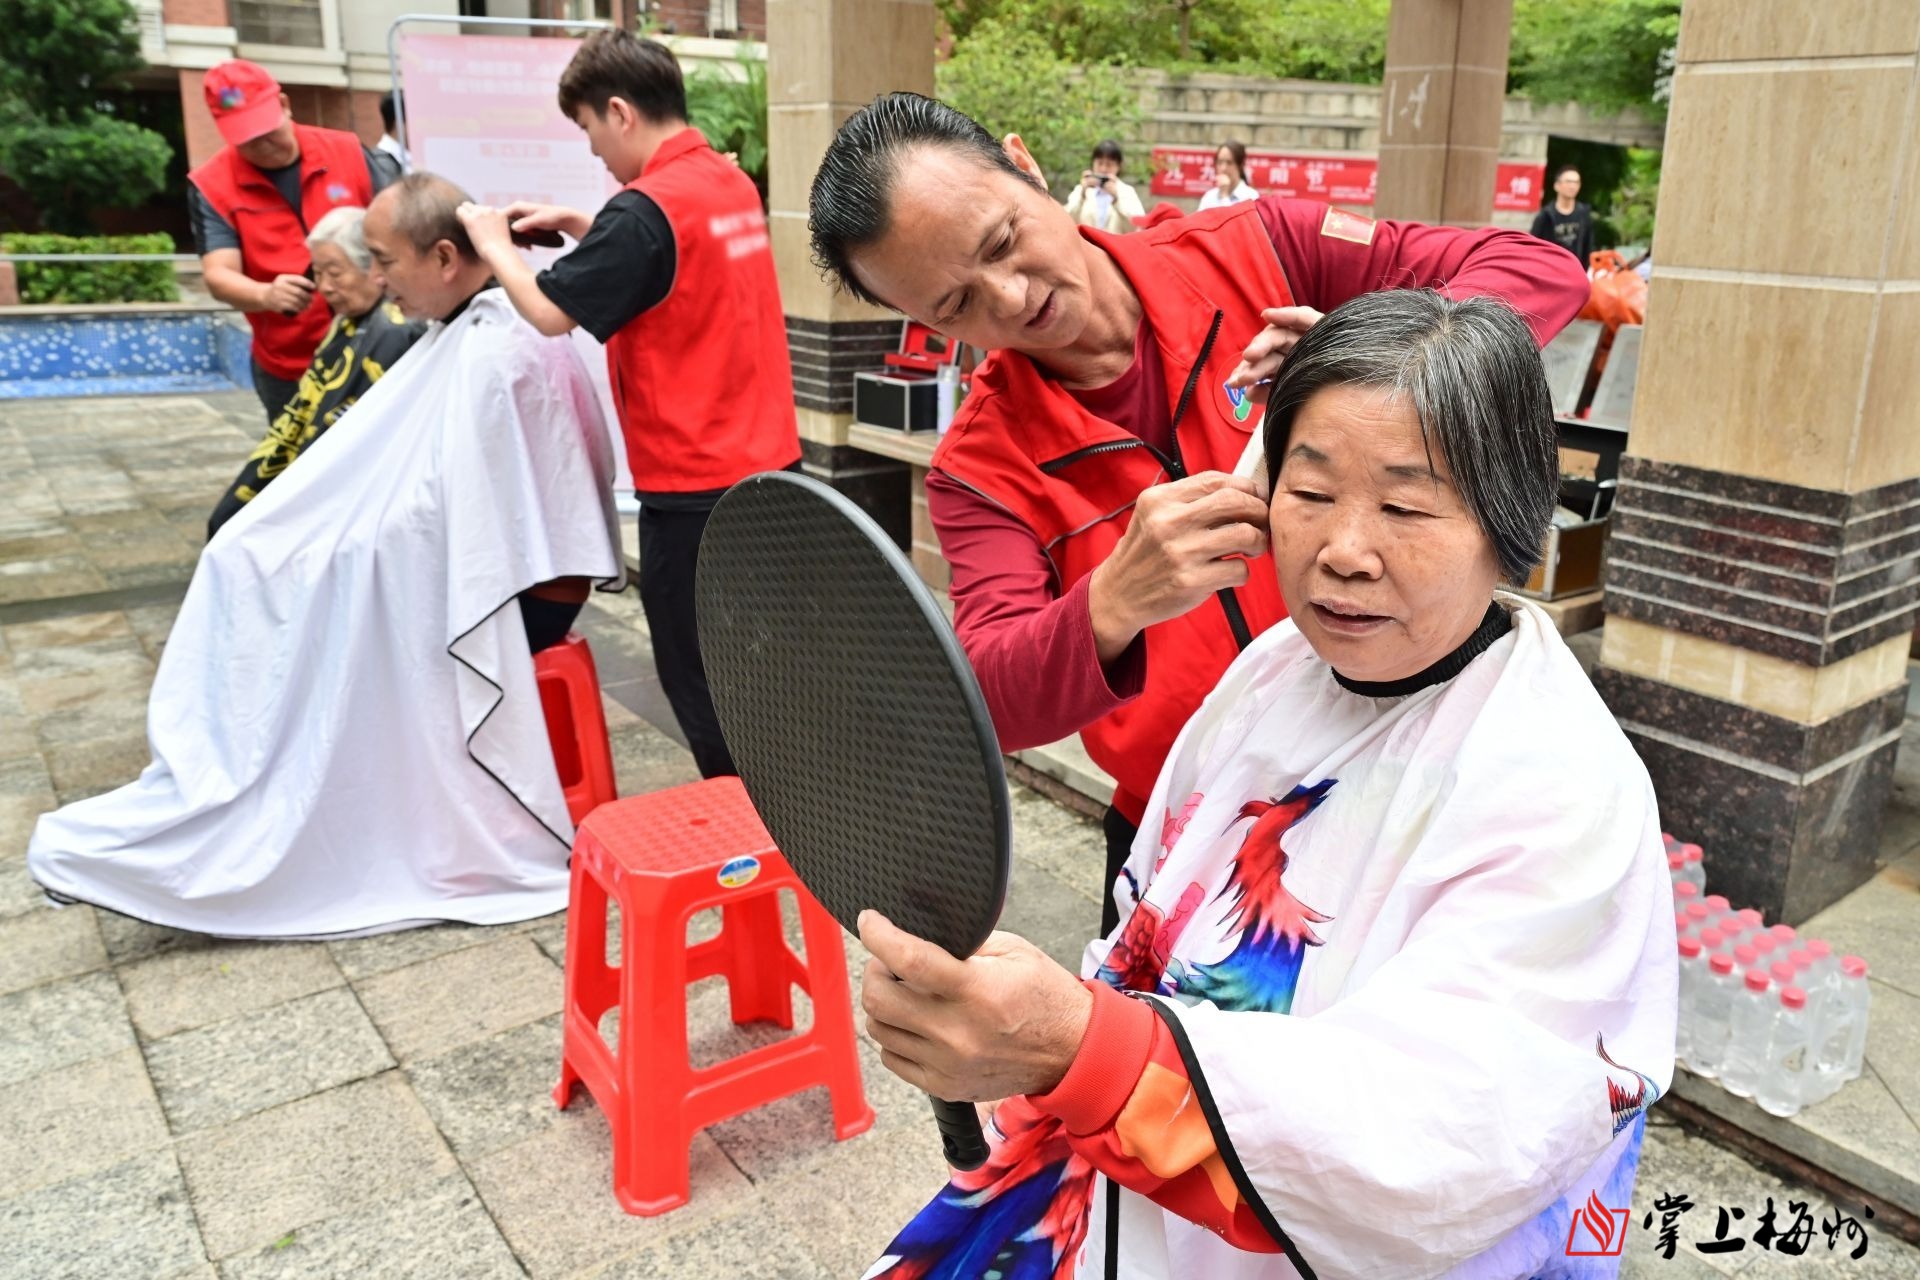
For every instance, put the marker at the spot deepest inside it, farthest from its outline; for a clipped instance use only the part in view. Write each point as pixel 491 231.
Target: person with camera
pixel 1102 201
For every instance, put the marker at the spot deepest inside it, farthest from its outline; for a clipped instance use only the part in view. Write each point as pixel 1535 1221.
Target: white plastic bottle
pixel 1684 892
pixel 1696 867
pixel 1693 968
pixel 1856 993
pixel 1782 1084
pixel 1710 940
pixel 1834 1015
pixel 1749 1030
pixel 1712 1007
pixel 1825 964
pixel 1717 903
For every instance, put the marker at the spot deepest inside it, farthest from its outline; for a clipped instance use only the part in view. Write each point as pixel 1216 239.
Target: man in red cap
pixel 251 207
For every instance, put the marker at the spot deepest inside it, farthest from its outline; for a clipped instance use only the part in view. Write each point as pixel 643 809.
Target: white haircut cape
pixel 346 731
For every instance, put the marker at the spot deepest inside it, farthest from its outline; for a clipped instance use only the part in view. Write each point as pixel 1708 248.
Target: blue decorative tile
pixel 116 355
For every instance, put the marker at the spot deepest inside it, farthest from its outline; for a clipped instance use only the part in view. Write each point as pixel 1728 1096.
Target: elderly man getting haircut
pixel 1394 982
pixel 346 732
pixel 367 335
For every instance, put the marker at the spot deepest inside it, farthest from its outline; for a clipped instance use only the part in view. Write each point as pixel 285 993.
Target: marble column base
pixel 878 486
pixel 1789 814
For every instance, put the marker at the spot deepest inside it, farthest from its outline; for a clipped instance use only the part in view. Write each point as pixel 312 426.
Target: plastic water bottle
pixel 1834 1016
pixel 946 396
pixel 1710 941
pixel 1682 924
pixel 1783 973
pixel 1855 994
pixel 1745 958
pixel 1824 964
pixel 1684 892
pixel 1712 1009
pixel 1765 943
pixel 1752 917
pixel 1717 903
pixel 1782 1084
pixel 1749 1031
pixel 1695 872
pixel 1698 913
pixel 1693 968
pixel 1784 934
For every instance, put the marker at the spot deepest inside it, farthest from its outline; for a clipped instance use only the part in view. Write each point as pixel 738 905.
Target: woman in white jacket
pixel 1101 200
pixel 1229 177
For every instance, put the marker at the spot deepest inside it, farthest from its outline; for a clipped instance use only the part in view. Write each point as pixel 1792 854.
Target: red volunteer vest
pixel 1023 442
pixel 703 381
pixel 273 240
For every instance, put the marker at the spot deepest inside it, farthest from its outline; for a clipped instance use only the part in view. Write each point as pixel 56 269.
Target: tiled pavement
pixel 173 1106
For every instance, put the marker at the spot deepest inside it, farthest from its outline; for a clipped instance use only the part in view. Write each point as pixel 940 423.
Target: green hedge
pixel 93 281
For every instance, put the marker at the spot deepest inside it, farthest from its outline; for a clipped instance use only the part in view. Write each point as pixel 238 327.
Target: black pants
pixel 1120 834
pixel 273 392
pixel 669 550
pixel 547 621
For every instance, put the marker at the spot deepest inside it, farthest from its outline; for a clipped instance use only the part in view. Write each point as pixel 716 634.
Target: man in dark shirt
pixel 675 275
pixel 1564 219
pixel 251 207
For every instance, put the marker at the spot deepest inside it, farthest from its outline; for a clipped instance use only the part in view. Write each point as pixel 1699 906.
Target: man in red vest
pixel 1107 567
pixel 251 207
pixel 675 275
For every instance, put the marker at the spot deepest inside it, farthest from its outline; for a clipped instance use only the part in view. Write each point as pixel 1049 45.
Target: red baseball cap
pixel 244 99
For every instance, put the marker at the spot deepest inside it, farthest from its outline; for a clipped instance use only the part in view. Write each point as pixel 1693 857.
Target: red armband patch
pixel 1342 225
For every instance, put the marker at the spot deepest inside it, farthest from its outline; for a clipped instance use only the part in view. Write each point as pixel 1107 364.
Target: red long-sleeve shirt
pixel 1031 646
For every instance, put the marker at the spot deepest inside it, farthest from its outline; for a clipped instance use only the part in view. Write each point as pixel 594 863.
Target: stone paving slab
pixel 260 1060
pixel 130 1220
pixel 455 999
pixel 438 1230
pixel 192 987
pixel 256 1179
pixel 61 1023
pixel 47 945
pixel 76 1119
pixel 551 1196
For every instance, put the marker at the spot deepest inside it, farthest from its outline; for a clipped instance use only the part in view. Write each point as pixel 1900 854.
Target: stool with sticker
pixel 663 858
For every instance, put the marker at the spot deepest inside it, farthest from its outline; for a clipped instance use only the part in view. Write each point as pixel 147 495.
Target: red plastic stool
pixel 576 724
pixel 663 857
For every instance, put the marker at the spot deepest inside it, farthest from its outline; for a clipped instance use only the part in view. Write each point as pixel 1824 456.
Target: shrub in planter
pixel 93 281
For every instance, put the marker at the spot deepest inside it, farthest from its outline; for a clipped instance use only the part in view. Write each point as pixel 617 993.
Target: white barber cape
pixel 346 731
pixel 1421 951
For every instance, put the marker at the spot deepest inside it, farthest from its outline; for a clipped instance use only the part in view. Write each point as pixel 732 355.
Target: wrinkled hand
pixel 1007 1020
pixel 1264 355
pixel 289 295
pixel 487 227
pixel 1170 557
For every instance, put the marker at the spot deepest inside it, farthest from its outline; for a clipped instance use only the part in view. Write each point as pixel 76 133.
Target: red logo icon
pixel 1596 1231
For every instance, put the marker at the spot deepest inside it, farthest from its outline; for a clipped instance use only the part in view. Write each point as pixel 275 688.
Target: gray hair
pixel 423 213
pixel 1472 373
pixel 851 203
pixel 341 228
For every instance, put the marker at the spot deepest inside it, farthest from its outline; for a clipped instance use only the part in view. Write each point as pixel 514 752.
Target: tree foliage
pixel 62 138
pixel 1606 54
pixel 731 110
pixel 1008 78
pixel 1603 54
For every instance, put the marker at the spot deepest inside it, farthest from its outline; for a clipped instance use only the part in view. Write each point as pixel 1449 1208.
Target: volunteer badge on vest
pixel 339 192
pixel 1240 399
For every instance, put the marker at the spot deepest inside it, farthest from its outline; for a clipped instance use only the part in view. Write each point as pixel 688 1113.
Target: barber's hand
pixel 1264 355
pixel 1008 1020
pixel 488 228
pixel 524 215
pixel 289 295
pixel 1169 559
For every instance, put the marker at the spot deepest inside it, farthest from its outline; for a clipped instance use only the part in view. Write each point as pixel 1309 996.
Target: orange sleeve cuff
pixel 1112 1056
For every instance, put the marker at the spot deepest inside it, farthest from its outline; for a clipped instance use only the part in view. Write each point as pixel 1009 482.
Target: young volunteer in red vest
pixel 251 207
pixel 675 275
pixel 1106 566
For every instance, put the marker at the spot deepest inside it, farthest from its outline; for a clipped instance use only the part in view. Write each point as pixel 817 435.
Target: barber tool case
pixel 895 403
pixel 1574 557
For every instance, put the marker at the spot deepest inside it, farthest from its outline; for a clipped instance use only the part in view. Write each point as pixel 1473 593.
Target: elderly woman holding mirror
pixel 1394 980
